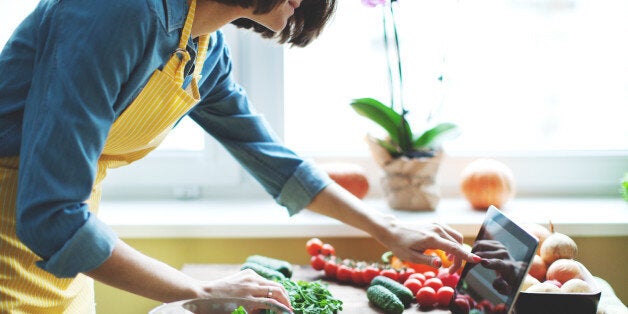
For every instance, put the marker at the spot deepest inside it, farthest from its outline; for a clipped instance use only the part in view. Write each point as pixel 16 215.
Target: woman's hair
pixel 305 25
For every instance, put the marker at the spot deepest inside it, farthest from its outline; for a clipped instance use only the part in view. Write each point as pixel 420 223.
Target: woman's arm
pixel 132 271
pixel 407 243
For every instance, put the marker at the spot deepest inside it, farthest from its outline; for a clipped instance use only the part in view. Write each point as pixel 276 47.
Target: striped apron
pixel 25 288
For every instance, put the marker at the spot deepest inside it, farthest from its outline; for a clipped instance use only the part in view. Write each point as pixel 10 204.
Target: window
pixel 542 85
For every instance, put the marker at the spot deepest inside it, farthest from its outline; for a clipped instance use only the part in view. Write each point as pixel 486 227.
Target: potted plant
pixel 410 157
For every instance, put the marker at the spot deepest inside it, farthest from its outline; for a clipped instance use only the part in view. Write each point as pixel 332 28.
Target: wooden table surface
pixel 353 298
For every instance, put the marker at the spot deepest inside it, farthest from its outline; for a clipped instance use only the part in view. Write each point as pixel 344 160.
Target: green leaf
pixel 397 127
pixel 433 136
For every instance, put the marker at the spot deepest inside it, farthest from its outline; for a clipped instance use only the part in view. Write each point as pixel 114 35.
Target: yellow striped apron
pixel 25 288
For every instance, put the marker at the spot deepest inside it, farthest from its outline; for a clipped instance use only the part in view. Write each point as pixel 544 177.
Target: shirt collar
pixel 176 14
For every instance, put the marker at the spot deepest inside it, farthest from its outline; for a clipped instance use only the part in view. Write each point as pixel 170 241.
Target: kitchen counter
pixel 353 298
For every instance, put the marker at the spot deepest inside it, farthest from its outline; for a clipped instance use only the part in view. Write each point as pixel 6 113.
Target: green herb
pixel 311 297
pixel 624 185
pixel 239 310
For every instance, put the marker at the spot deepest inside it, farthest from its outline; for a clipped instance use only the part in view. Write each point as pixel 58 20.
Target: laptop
pixel 493 285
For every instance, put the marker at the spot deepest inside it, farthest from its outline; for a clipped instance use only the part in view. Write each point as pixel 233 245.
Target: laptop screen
pixel 507 250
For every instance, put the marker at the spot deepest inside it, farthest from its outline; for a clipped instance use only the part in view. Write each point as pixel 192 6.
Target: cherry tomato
pixel 343 273
pixel 328 250
pixel 370 272
pixel 429 274
pixel 413 284
pixel 435 283
pixel 318 262
pixel 426 297
pixel 390 273
pixel 444 295
pixel 405 273
pixel 331 268
pixel 448 279
pixel 313 246
pixel 357 276
pixel 500 308
pixel 462 305
pixel 418 276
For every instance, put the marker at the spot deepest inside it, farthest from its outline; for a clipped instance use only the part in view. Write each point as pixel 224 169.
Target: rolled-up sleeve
pixel 227 114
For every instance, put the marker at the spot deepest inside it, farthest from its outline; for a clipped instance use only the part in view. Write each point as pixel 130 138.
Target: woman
pixel 92 85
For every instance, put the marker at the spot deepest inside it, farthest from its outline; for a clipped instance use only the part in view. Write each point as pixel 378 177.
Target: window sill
pixel 265 219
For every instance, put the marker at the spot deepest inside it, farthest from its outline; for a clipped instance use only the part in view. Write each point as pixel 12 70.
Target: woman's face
pixel 276 19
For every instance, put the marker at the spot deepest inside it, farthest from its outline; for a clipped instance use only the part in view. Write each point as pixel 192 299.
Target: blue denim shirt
pixel 68 72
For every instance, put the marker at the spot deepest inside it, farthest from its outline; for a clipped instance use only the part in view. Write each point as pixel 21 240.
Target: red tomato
pixel 435 283
pixel 429 274
pixel 343 273
pixel 318 262
pixel 418 276
pixel 328 250
pixel 370 272
pixel 500 309
pixel 444 295
pixel 331 268
pixel 313 246
pixel 390 273
pixel 405 273
pixel 413 284
pixel 426 297
pixel 462 304
pixel 357 276
pixel 450 280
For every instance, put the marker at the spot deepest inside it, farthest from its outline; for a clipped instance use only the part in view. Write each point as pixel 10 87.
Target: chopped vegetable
pixel 239 310
pixel 311 297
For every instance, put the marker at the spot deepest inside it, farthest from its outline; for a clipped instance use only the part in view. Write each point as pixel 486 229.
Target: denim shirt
pixel 68 72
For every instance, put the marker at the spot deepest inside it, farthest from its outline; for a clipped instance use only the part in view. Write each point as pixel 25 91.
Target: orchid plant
pixel 402 139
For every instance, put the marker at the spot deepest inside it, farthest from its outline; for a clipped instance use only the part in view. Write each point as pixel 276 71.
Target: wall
pixel 604 256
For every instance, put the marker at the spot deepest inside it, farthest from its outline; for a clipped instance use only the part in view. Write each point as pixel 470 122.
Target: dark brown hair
pixel 305 25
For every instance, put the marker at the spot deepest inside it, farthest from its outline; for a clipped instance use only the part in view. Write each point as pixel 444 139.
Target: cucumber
pixel 263 271
pixel 279 265
pixel 384 299
pixel 402 292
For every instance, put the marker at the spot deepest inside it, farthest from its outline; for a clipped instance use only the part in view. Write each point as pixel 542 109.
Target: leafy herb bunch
pixel 402 140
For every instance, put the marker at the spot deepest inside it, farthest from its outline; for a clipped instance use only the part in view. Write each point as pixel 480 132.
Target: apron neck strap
pixel 187 27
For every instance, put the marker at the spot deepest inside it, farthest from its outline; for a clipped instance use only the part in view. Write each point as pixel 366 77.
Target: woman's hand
pixel 262 293
pixel 409 244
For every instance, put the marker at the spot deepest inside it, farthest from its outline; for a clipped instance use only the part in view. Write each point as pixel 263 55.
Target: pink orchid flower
pixel 373 3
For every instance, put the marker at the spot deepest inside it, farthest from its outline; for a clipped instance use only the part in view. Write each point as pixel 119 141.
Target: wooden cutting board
pixel 353 298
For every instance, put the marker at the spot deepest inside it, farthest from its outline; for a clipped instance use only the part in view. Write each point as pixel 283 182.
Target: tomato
pixel 405 273
pixel 413 284
pixel 500 308
pixel 313 246
pixel 328 250
pixel 331 268
pixel 444 295
pixel 390 273
pixel 357 276
pixel 418 276
pixel 426 297
pixel 462 305
pixel 370 272
pixel 318 262
pixel 435 283
pixel 429 274
pixel 450 280
pixel 343 273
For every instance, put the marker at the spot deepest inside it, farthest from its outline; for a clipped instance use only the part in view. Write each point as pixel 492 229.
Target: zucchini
pixel 384 299
pixel 279 265
pixel 263 271
pixel 402 292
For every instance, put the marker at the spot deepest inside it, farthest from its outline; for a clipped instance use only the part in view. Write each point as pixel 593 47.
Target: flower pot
pixel 408 183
